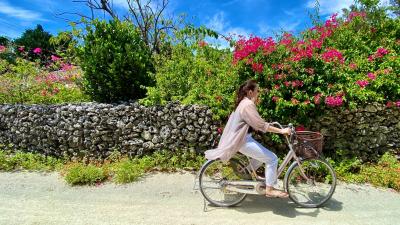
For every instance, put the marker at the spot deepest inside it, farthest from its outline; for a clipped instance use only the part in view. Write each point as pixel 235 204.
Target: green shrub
pixel 78 174
pixel 195 73
pixel 116 62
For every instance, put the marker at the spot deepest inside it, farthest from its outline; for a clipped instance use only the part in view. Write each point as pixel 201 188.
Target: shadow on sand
pixel 283 207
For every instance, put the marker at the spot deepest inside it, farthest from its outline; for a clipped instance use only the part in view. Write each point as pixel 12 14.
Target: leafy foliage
pixel 115 61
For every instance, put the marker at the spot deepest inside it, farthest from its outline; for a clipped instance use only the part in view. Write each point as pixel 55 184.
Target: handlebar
pixel 292 133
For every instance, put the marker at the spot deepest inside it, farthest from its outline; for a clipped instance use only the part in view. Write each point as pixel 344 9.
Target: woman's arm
pixel 250 114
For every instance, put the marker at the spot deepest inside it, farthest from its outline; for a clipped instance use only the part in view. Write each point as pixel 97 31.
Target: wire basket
pixel 308 144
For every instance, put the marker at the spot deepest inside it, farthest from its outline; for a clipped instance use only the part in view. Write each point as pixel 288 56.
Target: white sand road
pixel 160 198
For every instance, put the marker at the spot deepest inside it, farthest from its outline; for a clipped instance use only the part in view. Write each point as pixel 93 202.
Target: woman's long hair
pixel 244 89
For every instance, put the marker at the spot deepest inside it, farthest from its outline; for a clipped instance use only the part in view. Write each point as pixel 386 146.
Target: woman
pixel 236 137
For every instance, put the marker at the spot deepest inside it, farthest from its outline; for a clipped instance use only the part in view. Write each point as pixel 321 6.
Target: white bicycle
pixel 310 179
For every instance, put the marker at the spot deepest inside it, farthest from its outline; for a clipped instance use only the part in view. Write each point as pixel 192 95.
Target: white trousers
pixel 259 155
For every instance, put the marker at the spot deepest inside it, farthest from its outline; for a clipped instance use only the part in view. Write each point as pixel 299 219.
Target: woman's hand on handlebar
pixel 286 131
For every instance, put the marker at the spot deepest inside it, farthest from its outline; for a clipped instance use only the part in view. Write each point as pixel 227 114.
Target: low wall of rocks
pixel 95 130
pixel 366 132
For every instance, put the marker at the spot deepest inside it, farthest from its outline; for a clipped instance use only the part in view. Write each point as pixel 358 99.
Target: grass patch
pixel 14 161
pixel 121 169
pixel 384 173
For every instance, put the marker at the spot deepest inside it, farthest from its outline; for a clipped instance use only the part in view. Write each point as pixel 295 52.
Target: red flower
pixel 219 130
pixel 309 71
pixel 55 58
pixel 257 67
pixel 307 102
pixel 353 66
pixel 37 50
pixel 389 104
pixel 277 86
pixel 398 103
pixel 317 98
pixel 294 101
pixel 334 101
pixel 362 83
pixel 275 98
pixel 332 55
pixel 2 48
pixel 371 76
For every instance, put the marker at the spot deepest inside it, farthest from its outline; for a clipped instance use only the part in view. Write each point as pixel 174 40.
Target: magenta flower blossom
pixel 332 55
pixel 37 50
pixel 2 48
pixel 66 67
pixel 257 67
pixel 21 48
pixel 371 76
pixel 362 83
pixel 398 103
pixel 334 101
pixel 55 58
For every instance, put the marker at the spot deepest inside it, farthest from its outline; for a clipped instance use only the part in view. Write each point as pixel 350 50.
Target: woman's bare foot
pixel 272 192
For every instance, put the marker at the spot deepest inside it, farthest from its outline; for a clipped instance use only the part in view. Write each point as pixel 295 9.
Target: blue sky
pixel 244 17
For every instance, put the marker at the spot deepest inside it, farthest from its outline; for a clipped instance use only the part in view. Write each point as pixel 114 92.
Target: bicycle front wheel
pixel 315 191
pixel 213 179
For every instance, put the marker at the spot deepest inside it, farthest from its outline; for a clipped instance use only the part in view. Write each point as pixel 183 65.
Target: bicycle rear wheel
pixel 318 189
pixel 213 178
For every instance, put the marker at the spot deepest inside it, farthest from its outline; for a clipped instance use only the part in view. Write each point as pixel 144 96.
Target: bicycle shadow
pixel 283 207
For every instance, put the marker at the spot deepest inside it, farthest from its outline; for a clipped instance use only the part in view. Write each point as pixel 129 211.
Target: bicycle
pixel 310 180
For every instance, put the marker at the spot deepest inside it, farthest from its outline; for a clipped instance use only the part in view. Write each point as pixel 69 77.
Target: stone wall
pixel 94 129
pixel 366 132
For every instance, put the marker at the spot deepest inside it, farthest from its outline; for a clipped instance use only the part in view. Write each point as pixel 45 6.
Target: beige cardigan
pixel 234 134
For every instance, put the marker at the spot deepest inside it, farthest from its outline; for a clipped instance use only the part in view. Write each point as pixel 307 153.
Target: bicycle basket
pixel 308 144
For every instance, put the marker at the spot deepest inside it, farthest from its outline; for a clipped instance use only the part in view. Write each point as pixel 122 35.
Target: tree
pixel 148 17
pixel 35 38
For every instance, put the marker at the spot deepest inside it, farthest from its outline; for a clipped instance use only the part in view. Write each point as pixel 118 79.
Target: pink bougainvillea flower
pixel 353 66
pixel 66 66
pixel 43 92
pixel 2 48
pixel 389 104
pixel 277 86
pixel 244 47
pixel 275 98
pixel 354 14
pixel 309 70
pixel 362 83
pixel 332 55
pixel 317 98
pixel 294 101
pixel 21 49
pixel 398 103
pixel 380 52
pixel 55 58
pixel 307 101
pixel 55 90
pixel 219 130
pixel 334 101
pixel 287 83
pixel 371 76
pixel 37 50
pixel 257 67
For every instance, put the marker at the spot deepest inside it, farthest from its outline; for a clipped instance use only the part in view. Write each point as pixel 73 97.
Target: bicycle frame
pixel 255 183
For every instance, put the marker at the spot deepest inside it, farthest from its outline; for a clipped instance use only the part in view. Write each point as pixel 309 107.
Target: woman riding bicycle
pixel 236 137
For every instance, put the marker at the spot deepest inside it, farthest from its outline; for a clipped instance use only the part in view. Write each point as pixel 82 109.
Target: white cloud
pixel 19 13
pixel 330 6
pixel 219 24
